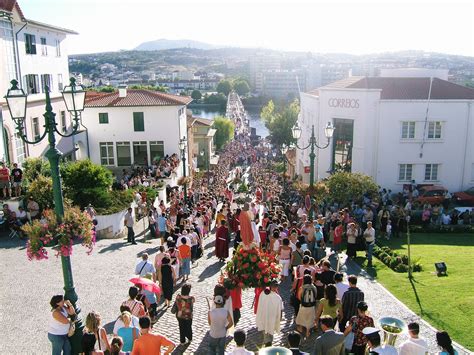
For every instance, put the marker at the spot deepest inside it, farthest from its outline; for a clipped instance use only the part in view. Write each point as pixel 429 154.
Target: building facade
pixel 395 129
pixel 132 127
pixel 34 54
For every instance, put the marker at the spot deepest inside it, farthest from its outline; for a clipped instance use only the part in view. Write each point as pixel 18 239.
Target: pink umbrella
pixel 146 284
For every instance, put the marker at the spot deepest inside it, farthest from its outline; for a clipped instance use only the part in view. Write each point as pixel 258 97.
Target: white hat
pixel 370 330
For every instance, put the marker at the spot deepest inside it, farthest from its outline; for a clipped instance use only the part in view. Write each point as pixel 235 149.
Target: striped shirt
pixel 351 297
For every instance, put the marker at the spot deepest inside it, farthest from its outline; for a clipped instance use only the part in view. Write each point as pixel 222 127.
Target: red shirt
pixel 4 174
pixel 236 295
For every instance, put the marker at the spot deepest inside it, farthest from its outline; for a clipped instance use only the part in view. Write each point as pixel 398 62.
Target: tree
pixel 196 95
pixel 224 131
pixel 216 99
pixel 86 182
pixel 41 190
pixel 241 87
pixel 34 167
pixel 279 121
pixel 224 87
pixel 345 187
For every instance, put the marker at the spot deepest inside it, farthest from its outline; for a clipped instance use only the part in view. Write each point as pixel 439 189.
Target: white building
pixel 132 127
pixel 393 129
pixel 283 83
pixel 34 54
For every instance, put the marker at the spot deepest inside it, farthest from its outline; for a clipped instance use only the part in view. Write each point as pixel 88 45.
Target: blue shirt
pixel 162 224
pixel 127 336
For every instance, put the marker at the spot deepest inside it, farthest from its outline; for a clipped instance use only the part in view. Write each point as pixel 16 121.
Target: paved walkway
pixel 101 282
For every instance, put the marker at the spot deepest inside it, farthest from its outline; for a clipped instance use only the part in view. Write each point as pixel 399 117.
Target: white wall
pixel 161 124
pixel 377 145
pixel 40 64
pixel 36 64
pixel 454 151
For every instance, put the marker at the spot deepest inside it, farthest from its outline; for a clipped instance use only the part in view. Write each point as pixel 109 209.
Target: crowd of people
pixel 303 240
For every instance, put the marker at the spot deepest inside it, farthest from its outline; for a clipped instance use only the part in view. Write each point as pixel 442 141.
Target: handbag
pixel 349 341
pixel 72 329
pixel 174 309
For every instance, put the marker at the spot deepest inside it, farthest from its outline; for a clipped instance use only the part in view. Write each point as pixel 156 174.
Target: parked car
pixel 465 198
pixel 433 195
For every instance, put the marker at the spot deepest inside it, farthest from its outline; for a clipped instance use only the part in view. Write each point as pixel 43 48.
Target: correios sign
pixel 343 103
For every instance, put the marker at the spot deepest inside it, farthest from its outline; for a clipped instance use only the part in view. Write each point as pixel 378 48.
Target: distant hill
pixel 161 44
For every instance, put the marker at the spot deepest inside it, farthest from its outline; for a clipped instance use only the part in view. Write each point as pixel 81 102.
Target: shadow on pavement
pixel 115 246
pixel 149 251
pixel 11 243
pixel 210 271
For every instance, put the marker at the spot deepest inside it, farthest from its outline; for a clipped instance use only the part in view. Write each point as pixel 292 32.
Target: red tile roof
pixel 7 5
pixel 407 88
pixel 135 98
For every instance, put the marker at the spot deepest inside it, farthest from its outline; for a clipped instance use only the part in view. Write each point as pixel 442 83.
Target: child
pixel 389 229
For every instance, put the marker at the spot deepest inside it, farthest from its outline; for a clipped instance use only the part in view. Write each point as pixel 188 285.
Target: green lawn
pixel 445 302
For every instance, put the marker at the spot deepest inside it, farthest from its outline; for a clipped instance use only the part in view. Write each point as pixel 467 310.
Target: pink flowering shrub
pixel 75 225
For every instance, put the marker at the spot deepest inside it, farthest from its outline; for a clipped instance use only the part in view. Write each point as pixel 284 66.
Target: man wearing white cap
pixel 373 341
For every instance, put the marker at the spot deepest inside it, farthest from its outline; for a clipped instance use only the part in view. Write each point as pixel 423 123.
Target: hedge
pixel 395 261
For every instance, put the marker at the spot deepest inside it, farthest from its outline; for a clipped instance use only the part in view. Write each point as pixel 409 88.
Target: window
pixel 405 172
pixel 124 157
pixel 157 150
pixel 9 53
pixel 107 153
pixel 434 130
pixel 103 117
pixel 35 127
pixel 60 82
pixel 138 122
pixel 32 84
pixel 46 79
pixel 431 172
pixel 342 144
pixel 408 130
pixel 44 47
pixel 63 121
pixel 140 156
pixel 20 149
pixel 30 44
pixel 58 48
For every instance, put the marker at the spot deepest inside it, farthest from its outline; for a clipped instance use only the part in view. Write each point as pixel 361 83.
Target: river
pixel 253 113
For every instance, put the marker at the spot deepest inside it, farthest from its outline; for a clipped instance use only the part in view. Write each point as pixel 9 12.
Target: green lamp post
pixel 182 148
pixel 328 132
pixel 74 98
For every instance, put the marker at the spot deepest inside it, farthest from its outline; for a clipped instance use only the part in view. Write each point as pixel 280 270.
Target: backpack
pixel 185 307
pixel 308 297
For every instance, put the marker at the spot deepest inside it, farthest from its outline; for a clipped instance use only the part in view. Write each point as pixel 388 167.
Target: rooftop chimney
pixel 122 90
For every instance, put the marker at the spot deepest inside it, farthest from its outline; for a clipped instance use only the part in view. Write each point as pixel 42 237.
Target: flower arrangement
pixel 251 267
pixel 48 230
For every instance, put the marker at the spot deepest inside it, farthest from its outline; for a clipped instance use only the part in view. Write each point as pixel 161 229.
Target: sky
pixel 305 25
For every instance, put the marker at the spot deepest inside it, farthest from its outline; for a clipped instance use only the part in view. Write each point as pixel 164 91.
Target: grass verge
pixel 446 302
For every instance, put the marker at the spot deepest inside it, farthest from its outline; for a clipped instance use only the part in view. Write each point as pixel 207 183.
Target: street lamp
pixel 74 97
pixel 182 147
pixel 328 132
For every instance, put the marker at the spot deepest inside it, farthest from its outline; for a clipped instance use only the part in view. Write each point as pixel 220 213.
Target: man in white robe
pixel 270 306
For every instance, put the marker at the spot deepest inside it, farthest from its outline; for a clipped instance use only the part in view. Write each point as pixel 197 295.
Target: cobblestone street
pixel 101 283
